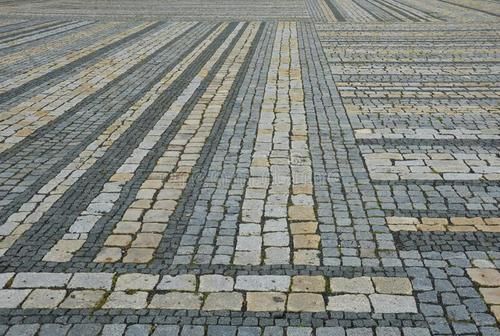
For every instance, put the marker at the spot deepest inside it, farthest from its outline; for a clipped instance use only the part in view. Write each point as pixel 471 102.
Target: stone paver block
pixel 485 276
pixel 136 281
pixel 263 283
pixel 11 298
pixel 184 282
pixel 383 303
pixel 44 298
pixel 176 300
pixel 266 301
pixel 306 283
pixel 44 280
pixel 305 302
pixel 386 285
pixel 124 300
pixel 91 281
pixel 223 301
pixel 83 299
pixel 356 303
pixel 216 283
pixel 361 285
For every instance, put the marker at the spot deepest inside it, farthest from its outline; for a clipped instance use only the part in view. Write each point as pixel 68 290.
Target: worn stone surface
pixel 299 167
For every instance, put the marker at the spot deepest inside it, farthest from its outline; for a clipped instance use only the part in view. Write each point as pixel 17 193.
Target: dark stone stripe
pixel 75 200
pixel 7 95
pixel 335 11
pixel 368 10
pixel 59 143
pixel 447 241
pixel 93 320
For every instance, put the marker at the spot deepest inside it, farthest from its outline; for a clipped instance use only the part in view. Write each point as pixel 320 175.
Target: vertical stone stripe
pixel 77 233
pixel 278 196
pixel 37 72
pixel 53 190
pixel 142 229
pixel 22 120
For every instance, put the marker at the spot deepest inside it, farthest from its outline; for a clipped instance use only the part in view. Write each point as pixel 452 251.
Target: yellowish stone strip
pixel 278 198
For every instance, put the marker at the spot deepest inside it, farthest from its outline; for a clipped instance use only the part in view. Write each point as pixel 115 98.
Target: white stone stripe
pixel 104 202
pixel 34 209
pixel 144 227
pixel 39 71
pixel 207 292
pixel 23 119
pixel 279 188
pixel 47 32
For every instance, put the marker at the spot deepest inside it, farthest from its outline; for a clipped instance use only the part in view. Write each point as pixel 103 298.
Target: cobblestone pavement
pixel 246 168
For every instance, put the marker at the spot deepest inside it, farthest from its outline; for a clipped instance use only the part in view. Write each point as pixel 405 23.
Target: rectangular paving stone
pixel 34 280
pixel 262 283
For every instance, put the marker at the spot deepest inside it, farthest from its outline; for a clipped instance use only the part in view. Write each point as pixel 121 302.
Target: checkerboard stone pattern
pixel 249 168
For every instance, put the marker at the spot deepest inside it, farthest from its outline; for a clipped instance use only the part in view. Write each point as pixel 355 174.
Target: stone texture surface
pixel 301 167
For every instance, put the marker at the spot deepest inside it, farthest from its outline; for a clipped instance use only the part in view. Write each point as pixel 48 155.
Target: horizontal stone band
pixel 206 292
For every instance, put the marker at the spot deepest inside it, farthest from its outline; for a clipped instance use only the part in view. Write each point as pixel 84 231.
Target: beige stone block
pixel 486 277
pixel 491 295
pixel 147 240
pixel 83 299
pixel 301 213
pixel 109 255
pixel 305 302
pixel 139 255
pixel 120 240
pixel 176 300
pixel 308 283
pixel 306 241
pixel 390 285
pixel 224 301
pixel 266 301
pixel 303 227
